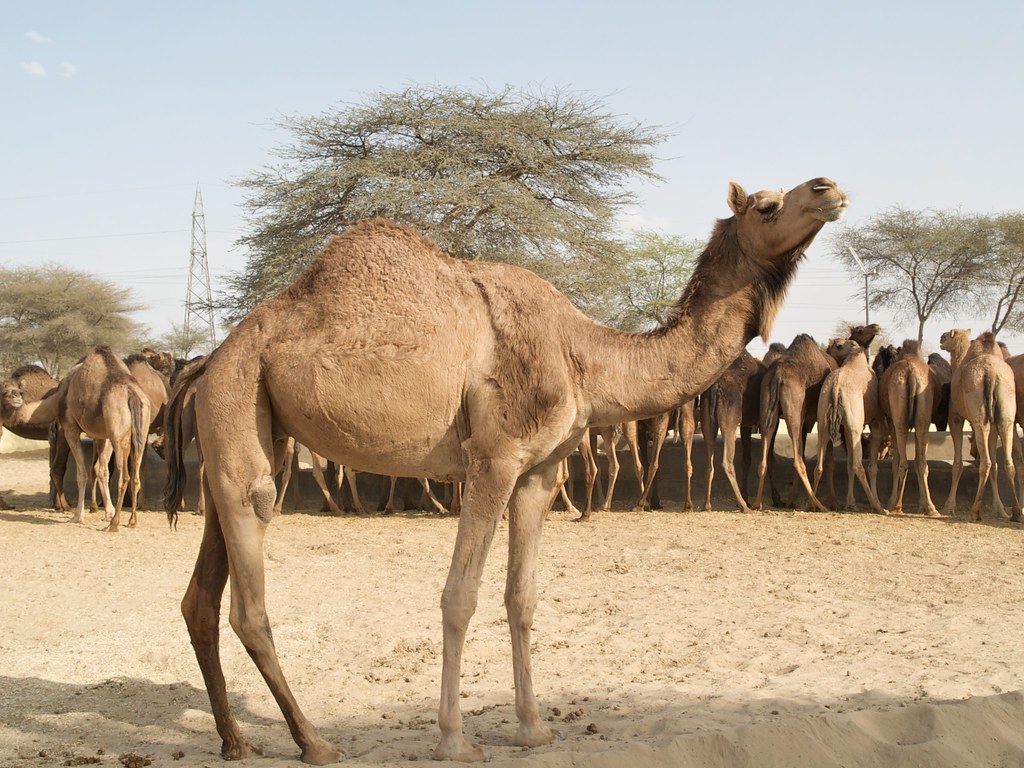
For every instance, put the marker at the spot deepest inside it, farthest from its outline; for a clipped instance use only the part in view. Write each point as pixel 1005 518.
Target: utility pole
pixel 199 300
pixel 867 274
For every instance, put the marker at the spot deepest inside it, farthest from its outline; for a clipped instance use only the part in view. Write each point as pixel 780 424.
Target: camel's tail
pixel 174 449
pixel 770 407
pixel 911 403
pixel 834 417
pixel 140 430
pixel 989 399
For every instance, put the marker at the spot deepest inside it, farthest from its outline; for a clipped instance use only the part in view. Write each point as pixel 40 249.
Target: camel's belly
pixel 372 413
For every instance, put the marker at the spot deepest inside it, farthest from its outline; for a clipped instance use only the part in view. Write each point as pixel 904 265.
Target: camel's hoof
pixel 535 736
pixel 582 519
pixel 933 512
pixel 77 519
pixel 239 751
pixel 321 753
pixel 111 528
pixel 458 749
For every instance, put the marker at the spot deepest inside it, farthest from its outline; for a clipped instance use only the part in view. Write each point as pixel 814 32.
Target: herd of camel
pixel 390 356
pixel 868 404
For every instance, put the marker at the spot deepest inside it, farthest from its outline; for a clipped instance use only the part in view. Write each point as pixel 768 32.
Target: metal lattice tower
pixel 198 300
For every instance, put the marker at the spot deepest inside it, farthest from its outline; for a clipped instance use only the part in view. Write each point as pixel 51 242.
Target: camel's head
pixel 865 334
pixel 840 349
pixel 10 395
pixel 774 224
pixel 955 339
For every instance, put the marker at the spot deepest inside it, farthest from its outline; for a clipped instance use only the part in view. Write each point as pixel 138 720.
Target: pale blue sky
pixel 113 111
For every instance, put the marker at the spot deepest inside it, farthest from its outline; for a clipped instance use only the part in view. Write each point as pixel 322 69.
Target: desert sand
pixel 661 639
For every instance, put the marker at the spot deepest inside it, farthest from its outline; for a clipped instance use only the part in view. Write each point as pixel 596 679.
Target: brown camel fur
pixel 907 390
pixel 155 384
pixel 23 412
pixel 732 404
pixel 494 386
pixel 790 389
pixel 102 399
pixel 848 402
pixel 981 392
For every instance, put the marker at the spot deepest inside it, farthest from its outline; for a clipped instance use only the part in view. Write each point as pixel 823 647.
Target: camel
pixel 790 389
pixel 102 399
pixel 492 386
pixel 24 413
pixel 981 392
pixel 848 402
pixel 732 404
pixel 907 390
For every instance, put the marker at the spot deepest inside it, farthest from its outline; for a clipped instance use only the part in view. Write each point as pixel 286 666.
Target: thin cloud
pixel 35 37
pixel 33 68
pixel 67 69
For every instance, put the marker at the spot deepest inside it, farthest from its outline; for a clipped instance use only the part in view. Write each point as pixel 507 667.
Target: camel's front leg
pixel 489 484
pixel 525 515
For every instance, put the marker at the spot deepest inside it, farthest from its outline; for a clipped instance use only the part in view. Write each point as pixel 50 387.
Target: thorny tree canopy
pixel 509 176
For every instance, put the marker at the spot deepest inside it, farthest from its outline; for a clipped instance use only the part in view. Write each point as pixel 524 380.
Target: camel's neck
pixel 631 376
pixel 37 414
pixel 957 355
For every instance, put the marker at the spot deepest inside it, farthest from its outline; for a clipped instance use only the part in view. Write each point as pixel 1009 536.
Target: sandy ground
pixel 664 639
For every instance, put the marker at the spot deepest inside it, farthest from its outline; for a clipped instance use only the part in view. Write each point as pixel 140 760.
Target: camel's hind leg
pixel 240 481
pixel 121 450
pixel 201 609
pixel 321 483
pixel 984 467
pixel 956 435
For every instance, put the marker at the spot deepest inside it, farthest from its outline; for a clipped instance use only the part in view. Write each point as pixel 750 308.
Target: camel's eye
pixel 768 208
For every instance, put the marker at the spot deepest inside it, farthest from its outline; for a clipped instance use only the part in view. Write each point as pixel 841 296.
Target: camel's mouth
pixel 833 212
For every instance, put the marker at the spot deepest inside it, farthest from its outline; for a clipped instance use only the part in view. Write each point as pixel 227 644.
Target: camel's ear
pixel 737 198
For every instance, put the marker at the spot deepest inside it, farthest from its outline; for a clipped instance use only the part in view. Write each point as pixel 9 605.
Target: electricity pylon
pixel 198 300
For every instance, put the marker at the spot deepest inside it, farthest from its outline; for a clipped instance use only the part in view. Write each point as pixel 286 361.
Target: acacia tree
pixel 925 262
pixel 1005 274
pixel 512 176
pixel 53 315
pixel 655 271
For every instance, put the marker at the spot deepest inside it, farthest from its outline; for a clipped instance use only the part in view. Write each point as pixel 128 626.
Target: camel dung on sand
pixel 494 386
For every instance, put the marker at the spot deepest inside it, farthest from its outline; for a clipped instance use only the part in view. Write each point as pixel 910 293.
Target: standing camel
pixel 981 392
pixel 790 389
pixel 24 412
pixel 493 386
pixel 732 404
pixel 907 391
pixel 849 402
pixel 102 399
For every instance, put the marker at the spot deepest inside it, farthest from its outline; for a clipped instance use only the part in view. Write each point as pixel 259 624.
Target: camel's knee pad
pixel 263 496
